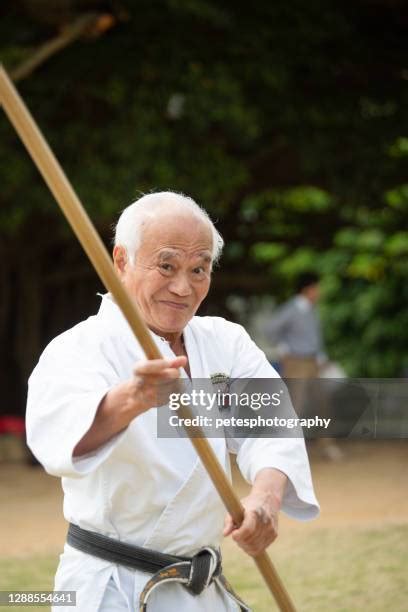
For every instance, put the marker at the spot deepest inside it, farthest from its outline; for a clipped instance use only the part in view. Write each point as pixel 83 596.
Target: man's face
pixel 312 293
pixel 172 271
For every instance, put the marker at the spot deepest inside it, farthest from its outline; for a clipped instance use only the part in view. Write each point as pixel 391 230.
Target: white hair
pixel 132 221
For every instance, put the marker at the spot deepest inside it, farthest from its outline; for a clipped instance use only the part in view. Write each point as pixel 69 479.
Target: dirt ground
pixel 369 487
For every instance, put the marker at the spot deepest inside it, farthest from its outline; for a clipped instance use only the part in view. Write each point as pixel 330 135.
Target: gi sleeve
pixel 64 393
pixel 285 454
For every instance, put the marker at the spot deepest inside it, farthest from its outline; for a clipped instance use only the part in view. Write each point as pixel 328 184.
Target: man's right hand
pixel 148 387
pixel 151 382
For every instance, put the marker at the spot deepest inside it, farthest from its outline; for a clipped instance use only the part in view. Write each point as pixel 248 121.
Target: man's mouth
pixel 175 305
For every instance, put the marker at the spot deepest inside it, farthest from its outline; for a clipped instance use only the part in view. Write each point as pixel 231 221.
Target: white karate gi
pixel 138 488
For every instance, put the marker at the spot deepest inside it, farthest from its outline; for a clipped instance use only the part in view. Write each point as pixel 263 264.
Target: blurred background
pixel 286 120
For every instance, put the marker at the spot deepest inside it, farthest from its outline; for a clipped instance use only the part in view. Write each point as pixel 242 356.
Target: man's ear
pixel 120 259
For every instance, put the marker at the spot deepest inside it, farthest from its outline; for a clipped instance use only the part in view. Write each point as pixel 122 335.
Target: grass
pixel 345 569
pixel 27 574
pixel 336 570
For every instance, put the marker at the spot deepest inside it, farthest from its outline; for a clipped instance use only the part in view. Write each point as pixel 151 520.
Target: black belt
pixel 195 573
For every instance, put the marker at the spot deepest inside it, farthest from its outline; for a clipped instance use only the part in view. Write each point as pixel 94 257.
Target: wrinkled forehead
pixel 176 235
pixel 170 254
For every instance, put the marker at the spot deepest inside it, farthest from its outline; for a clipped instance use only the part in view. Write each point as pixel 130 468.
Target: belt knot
pixel 205 565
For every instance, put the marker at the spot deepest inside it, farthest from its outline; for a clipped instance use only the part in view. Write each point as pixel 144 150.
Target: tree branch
pixel 88 23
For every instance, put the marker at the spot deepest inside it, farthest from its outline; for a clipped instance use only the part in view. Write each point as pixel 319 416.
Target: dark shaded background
pixel 287 120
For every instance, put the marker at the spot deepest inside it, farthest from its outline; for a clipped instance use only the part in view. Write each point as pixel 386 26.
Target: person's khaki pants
pixel 299 373
pixel 301 370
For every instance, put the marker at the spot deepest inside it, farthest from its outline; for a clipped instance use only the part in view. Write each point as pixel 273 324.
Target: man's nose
pixel 180 285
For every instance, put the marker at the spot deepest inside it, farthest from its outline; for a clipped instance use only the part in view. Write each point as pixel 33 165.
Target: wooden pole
pixel 73 210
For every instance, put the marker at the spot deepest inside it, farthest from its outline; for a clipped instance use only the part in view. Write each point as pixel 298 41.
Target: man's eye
pixel 200 271
pixel 166 267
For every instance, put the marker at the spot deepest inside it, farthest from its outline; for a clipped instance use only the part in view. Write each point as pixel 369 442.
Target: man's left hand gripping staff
pixel 261 509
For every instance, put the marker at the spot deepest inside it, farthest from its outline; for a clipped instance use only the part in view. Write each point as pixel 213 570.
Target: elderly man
pixel 91 420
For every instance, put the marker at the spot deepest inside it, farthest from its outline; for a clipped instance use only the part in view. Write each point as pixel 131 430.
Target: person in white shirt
pixel 92 420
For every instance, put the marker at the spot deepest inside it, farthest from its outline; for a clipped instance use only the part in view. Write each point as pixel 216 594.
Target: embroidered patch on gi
pixel 219 378
pixel 222 383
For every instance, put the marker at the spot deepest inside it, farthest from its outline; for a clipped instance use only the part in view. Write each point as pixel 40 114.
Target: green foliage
pixel 268 251
pixel 287 122
pixel 399 148
pixel 397 244
pixel 398 197
pixel 307 199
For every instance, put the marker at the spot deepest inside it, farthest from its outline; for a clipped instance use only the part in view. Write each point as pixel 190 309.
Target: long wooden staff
pixel 73 210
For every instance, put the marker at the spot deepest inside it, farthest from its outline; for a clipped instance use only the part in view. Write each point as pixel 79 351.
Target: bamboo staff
pixel 73 210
